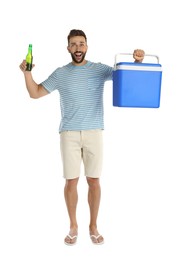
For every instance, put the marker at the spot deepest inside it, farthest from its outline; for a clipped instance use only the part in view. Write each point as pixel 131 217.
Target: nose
pixel 78 48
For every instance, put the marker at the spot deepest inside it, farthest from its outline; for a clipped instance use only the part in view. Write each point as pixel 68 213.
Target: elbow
pixel 32 96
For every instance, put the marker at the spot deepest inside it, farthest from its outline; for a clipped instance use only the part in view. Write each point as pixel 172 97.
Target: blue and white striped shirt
pixel 81 94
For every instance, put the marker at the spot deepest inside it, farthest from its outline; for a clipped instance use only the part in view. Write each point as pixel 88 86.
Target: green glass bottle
pixel 29 58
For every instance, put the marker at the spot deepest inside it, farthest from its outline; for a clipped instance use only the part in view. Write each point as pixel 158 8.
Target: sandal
pixel 93 237
pixel 71 238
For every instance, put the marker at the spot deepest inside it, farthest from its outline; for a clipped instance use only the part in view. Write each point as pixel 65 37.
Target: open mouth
pixel 78 55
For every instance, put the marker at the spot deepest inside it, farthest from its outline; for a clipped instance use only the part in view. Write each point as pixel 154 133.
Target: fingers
pixel 22 66
pixel 138 55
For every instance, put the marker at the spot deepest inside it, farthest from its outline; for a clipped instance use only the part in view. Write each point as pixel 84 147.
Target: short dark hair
pixel 76 32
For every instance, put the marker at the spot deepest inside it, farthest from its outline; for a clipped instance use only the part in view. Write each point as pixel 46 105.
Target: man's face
pixel 78 47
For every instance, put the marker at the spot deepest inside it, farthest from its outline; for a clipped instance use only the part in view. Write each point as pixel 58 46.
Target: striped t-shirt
pixel 81 94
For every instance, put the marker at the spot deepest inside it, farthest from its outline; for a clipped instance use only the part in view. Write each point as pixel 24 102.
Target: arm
pixel 35 90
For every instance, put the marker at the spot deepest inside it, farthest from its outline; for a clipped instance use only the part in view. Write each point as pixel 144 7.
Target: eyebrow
pixel 77 42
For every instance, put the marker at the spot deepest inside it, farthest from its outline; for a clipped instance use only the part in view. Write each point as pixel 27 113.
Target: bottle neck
pixel 30 48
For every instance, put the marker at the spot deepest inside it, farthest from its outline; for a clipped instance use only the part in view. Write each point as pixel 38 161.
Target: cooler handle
pixel 151 55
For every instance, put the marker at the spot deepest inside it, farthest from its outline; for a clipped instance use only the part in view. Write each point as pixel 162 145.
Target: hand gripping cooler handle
pixel 150 55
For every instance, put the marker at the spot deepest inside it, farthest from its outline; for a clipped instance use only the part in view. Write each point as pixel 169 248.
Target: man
pixel 80 85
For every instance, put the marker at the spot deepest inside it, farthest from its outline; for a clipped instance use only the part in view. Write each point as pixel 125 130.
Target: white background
pixel 142 208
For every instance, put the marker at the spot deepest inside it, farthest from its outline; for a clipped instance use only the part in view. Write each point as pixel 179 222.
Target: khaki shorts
pixel 81 146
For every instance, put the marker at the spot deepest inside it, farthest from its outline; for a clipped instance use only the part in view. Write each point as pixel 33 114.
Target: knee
pixel 93 182
pixel 71 184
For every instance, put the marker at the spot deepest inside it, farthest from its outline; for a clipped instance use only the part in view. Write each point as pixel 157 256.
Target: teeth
pixel 78 54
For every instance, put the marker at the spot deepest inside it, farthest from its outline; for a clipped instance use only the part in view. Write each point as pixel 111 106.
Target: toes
pixel 97 239
pixel 70 240
pixel 100 239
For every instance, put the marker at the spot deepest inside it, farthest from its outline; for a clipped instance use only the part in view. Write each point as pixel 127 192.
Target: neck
pixel 79 64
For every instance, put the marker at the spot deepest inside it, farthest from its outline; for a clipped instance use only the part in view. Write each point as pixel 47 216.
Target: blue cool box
pixel 137 84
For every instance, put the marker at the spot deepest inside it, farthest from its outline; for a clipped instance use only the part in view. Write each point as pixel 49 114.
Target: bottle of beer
pixel 29 58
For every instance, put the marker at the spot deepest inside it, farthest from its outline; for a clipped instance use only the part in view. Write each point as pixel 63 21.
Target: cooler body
pixel 137 84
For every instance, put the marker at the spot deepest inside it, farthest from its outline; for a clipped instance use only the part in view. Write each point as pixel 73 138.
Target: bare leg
pixel 94 195
pixel 71 198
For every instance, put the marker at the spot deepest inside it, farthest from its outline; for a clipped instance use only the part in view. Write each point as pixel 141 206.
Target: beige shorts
pixel 81 146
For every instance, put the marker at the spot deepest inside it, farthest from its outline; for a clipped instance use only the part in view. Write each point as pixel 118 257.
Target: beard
pixel 78 57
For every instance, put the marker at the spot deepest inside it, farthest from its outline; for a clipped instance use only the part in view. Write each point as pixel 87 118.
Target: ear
pixel 68 49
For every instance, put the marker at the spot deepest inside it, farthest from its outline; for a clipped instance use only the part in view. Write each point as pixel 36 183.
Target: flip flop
pixel 96 237
pixel 71 237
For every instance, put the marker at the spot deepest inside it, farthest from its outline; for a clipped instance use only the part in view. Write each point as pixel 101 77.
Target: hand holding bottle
pixel 23 66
